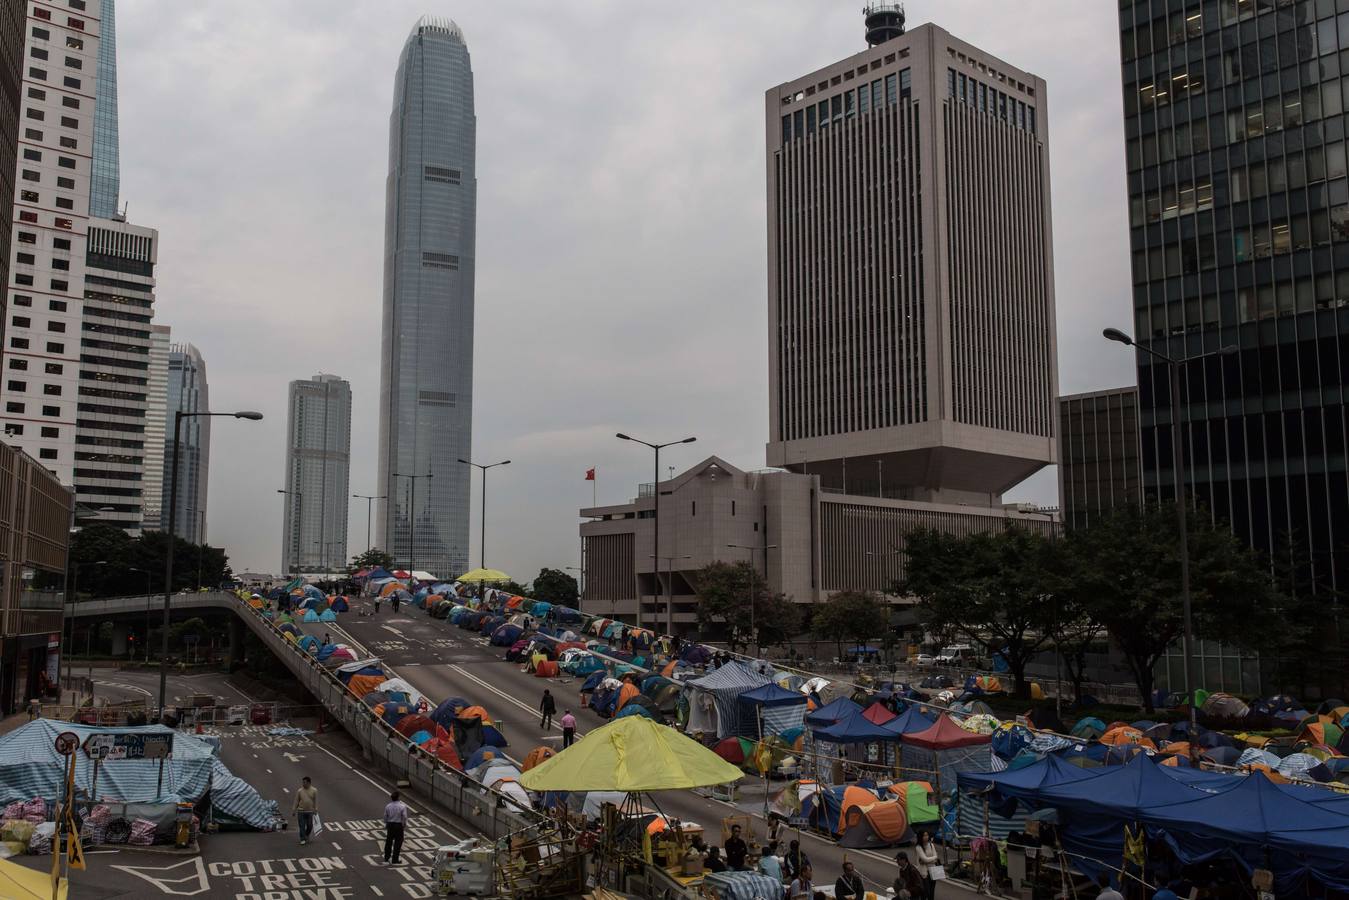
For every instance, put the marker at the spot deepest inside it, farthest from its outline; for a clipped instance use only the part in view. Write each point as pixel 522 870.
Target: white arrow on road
pixel 293 757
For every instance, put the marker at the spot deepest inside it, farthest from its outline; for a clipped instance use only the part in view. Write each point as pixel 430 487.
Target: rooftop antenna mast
pixel 885 22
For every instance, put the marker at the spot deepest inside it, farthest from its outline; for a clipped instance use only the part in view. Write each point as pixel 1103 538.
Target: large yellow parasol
pixel 631 754
pixel 486 575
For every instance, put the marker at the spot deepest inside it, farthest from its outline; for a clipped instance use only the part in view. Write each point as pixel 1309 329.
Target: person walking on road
pixel 735 850
pixel 395 823
pixel 568 723
pixel 305 807
pixel 393 601
pixel 547 706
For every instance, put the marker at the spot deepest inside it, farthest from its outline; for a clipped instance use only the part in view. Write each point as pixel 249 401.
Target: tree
pixel 374 558
pixel 1074 629
pixel 733 596
pixel 856 615
pixel 994 588
pixel 1125 572
pixel 555 586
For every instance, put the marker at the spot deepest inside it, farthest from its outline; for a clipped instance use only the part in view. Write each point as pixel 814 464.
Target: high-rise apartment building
pixel 910 270
pixel 187 392
pixel 39 391
pixel 318 476
pixel 13 37
pixel 157 395
pixel 106 177
pixel 115 356
pixel 426 376
pixel 1239 231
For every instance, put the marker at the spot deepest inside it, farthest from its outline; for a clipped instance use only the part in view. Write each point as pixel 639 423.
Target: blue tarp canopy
pixel 855 729
pixel 912 719
pixel 772 695
pixel 1125 792
pixel 832 711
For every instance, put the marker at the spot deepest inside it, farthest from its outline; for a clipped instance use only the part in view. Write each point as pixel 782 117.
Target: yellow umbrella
pixel 631 754
pixel 19 881
pixel 492 575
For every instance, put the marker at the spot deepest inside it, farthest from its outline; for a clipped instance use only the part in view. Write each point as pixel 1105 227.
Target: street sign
pixel 128 746
pixel 66 742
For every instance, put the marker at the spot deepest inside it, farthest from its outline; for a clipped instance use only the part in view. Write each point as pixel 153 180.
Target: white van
pixel 955 655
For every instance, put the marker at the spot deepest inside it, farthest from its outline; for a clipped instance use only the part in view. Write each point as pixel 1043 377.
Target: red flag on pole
pixel 590 474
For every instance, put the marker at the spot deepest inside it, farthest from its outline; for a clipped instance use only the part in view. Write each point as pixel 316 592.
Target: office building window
pixel 51 410
pixel 18 343
pixel 48 431
pixel 52 390
pixel 46 453
pixel 19 365
pixel 16 386
pixel 53 368
pixel 12 407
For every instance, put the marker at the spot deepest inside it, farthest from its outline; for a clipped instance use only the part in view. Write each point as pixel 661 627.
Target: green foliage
pixel 373 558
pixel 1124 571
pixel 859 617
pixel 733 597
pixel 111 564
pixel 555 586
pixel 994 589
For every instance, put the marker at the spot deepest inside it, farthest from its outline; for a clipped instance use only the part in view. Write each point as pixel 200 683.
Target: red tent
pixel 944 735
pixel 877 714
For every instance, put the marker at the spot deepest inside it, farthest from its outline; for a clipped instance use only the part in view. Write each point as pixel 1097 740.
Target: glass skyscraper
pixel 1239 233
pixel 105 177
pixel 426 376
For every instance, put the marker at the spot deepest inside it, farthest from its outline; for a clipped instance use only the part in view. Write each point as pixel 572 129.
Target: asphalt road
pixel 441 660
pixel 343 861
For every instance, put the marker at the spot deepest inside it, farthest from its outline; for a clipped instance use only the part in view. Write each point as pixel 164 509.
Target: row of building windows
pixel 879 94
pixel 20 387
pixel 1246 304
pixel 46 431
pixel 22 343
pixel 989 100
pixel 26 322
pixel 14 407
pixel 1179 26
pixel 19 364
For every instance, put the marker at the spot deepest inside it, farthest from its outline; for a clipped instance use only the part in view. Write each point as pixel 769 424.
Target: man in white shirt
pixel 395 823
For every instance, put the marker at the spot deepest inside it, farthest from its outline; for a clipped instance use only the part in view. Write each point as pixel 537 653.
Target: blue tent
pixel 444 714
pixel 855 729
pixel 340 605
pixel 506 634
pixel 480 756
pixel 327 616
pixel 312 591
pixel 326 651
pixel 395 711
pixel 832 711
pixel 310 616
pixel 378 573
pixel 824 807
pixel 308 643
pixel 593 680
pixel 1126 792
pixel 915 718
pixel 777 708
pixel 493 738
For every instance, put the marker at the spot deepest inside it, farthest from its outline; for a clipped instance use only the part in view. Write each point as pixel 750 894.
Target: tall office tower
pixel 1099 466
pixel 44 304
pixel 157 396
pixel 911 288
pixel 111 431
pixel 187 392
pixel 12 40
pixel 105 178
pixel 426 376
pixel 1239 230
pixel 318 470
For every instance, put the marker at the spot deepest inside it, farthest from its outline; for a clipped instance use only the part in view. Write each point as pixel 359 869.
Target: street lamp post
pixel 178 417
pixel 655 510
pixel 369 505
pixel 148 588
pixel 669 588
pixel 753 573
pixel 1177 466
pixel 412 519
pixel 298 519
pixel 72 592
pixel 482 524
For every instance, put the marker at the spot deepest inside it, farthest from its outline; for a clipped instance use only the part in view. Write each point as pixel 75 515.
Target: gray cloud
pixel 621 244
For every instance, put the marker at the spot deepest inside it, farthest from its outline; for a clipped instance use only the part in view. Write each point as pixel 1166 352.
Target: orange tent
pixel 475 712
pixel 626 693
pixel 854 796
pixel 882 823
pixel 1125 734
pixel 546 668
pixel 514 602
pixel 669 669
pixel 536 756
pixel 657 825
pixel 360 685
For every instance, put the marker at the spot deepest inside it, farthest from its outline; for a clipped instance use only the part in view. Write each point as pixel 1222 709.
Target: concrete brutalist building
pixel 912 373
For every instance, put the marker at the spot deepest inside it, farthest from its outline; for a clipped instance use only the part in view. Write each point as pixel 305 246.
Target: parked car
pixel 923 659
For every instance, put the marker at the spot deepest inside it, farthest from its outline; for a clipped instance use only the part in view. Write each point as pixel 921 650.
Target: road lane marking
pixel 336 845
pixel 378 892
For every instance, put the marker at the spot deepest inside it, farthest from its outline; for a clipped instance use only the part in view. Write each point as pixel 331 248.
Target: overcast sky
pixel 621 260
